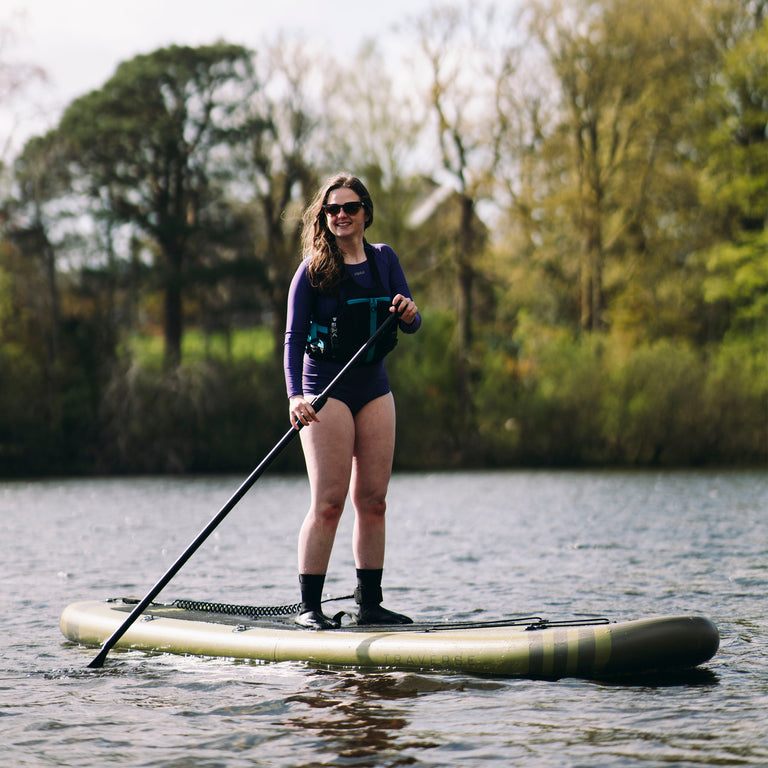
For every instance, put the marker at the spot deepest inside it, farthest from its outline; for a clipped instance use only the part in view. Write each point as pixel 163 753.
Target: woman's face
pixel 343 225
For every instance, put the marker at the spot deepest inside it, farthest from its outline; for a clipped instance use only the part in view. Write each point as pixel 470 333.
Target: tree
pixel 379 139
pixel 41 181
pixel 15 78
pixel 735 184
pixel 152 142
pixel 469 55
pixel 622 68
pixel 468 52
pixel 281 162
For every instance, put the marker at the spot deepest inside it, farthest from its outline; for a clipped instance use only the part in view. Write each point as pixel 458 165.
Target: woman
pixel 349 447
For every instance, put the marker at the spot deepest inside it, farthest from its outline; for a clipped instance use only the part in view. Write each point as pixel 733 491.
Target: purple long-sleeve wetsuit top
pixel 306 376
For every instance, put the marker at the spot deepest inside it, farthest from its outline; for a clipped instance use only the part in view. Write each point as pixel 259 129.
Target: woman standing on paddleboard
pixel 344 289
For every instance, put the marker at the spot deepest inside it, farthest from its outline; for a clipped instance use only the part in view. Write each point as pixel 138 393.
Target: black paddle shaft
pixel 317 404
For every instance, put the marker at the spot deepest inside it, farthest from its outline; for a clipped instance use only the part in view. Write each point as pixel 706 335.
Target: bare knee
pixel 329 513
pixel 374 508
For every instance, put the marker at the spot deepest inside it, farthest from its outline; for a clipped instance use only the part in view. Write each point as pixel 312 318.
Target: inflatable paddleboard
pixel 520 647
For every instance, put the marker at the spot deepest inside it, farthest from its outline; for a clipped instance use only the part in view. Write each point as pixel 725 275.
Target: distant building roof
pixel 427 208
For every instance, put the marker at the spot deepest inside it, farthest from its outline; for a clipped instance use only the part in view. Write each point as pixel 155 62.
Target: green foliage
pixel 736 396
pixel 22 426
pixel 6 304
pixel 735 185
pixel 203 417
pixel 197 347
pixel 421 372
pixel 50 423
pixel 655 414
pixel 586 400
pixel 738 275
pixel 559 389
pixel 546 397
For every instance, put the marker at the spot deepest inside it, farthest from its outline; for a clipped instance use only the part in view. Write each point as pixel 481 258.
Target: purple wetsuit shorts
pixel 357 388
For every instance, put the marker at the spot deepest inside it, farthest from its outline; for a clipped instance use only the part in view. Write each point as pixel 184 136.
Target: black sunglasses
pixel 349 208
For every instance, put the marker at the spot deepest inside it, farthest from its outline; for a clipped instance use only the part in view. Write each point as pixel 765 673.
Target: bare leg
pixel 371 470
pixel 328 445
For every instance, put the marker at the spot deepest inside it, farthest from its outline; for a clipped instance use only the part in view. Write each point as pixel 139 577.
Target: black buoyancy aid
pixel 360 312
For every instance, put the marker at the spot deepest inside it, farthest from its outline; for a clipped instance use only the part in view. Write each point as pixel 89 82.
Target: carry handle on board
pixel 317 404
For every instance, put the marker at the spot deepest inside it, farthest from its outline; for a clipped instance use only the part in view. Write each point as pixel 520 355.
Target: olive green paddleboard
pixel 522 647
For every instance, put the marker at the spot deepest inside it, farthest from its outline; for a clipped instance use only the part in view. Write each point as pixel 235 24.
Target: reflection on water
pixel 471 545
pixel 360 717
pixel 354 719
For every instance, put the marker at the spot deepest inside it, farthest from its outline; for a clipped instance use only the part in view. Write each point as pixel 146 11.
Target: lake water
pixel 480 545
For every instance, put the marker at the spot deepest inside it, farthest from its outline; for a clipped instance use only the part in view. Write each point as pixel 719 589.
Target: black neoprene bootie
pixel 311 614
pixel 368 597
pixel 375 614
pixel 316 620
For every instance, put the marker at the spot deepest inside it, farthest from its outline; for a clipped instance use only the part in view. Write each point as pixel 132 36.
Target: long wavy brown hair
pixel 326 262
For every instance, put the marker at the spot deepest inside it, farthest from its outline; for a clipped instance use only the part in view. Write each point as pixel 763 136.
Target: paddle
pixel 317 404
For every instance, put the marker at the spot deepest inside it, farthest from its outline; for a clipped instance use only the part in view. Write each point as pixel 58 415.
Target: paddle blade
pixel 98 662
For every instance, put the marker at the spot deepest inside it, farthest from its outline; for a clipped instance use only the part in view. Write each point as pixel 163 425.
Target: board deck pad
pixel 217 613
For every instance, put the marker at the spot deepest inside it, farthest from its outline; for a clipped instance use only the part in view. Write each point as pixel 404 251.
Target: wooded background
pixel 577 191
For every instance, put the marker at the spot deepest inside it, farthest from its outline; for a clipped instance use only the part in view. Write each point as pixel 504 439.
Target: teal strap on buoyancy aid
pixel 373 318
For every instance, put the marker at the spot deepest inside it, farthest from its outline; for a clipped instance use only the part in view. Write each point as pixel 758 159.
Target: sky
pixel 79 43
